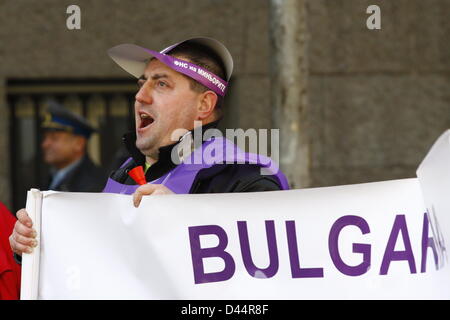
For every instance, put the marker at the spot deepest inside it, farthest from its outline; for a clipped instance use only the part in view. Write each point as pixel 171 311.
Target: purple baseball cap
pixel 134 59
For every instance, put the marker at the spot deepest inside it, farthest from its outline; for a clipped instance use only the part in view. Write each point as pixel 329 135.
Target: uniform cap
pixel 58 118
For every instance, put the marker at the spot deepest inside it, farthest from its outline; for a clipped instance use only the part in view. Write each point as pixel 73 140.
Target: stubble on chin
pixel 147 148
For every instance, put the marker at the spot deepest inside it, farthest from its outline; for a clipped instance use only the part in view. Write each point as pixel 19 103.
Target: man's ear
pixel 207 104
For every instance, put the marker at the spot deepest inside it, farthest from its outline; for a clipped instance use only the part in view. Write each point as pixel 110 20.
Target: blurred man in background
pixel 64 149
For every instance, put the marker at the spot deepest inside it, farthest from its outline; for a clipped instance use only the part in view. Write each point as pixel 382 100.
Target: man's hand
pixel 147 189
pixel 23 238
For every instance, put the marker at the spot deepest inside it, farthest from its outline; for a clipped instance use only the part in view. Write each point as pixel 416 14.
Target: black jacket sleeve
pixel 234 178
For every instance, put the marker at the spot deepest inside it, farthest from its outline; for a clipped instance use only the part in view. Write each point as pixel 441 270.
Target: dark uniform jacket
pixel 216 179
pixel 85 177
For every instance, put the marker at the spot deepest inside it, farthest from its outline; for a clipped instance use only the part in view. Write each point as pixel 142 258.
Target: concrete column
pixel 289 75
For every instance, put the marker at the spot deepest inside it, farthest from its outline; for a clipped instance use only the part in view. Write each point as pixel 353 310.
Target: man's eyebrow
pixel 159 76
pixel 154 77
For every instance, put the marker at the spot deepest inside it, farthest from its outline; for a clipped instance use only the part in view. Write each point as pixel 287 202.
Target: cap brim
pixel 130 57
pixel 133 58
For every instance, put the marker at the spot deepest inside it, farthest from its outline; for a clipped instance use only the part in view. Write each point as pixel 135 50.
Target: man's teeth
pixel 146 120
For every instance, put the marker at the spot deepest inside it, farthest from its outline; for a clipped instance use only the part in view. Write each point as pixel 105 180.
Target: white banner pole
pixel 30 262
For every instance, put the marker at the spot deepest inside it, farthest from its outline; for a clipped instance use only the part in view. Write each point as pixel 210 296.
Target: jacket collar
pixel 165 152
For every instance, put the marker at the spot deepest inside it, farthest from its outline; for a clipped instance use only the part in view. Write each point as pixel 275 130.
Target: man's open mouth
pixel 146 120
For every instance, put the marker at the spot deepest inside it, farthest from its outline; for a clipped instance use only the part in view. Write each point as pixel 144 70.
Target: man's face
pixel 165 102
pixel 61 148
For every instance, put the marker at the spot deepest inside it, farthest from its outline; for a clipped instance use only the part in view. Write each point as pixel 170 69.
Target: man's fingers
pixel 30 242
pixel 23 217
pixel 137 197
pixel 146 189
pixel 24 230
pixel 19 248
pixel 143 190
pixel 22 238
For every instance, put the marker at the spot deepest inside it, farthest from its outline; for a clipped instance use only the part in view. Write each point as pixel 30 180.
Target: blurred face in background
pixel 61 148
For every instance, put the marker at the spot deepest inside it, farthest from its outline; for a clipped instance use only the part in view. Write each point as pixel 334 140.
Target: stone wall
pixel 378 99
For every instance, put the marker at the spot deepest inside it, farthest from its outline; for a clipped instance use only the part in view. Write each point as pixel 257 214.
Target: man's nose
pixel 144 95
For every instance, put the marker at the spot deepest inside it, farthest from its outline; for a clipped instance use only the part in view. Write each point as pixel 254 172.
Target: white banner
pixel 366 241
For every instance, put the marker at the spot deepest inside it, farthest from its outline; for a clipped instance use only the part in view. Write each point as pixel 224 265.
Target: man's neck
pixel 150 160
